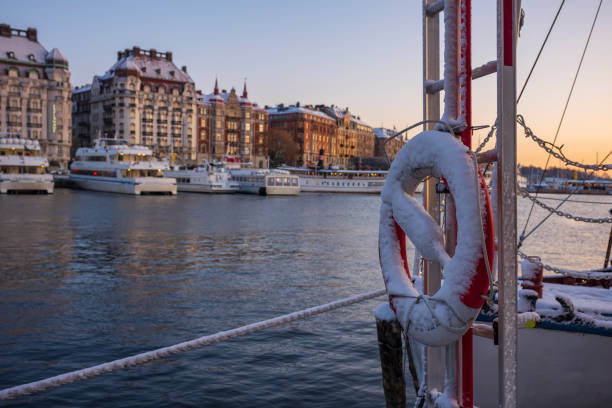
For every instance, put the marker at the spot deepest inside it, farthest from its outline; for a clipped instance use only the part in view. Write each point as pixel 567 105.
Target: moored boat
pixel 22 168
pixel 339 181
pixel 266 182
pixel 116 167
pixel 207 178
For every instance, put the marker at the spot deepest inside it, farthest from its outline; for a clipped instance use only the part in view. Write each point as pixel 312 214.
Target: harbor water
pixel 90 277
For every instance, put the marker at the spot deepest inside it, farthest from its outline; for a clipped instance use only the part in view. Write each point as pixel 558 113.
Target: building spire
pixel 244 90
pixel 216 87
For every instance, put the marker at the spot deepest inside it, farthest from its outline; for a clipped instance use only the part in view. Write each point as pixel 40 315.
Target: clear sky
pixel 366 55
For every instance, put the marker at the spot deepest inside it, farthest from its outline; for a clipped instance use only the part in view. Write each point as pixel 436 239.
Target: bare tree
pixel 281 147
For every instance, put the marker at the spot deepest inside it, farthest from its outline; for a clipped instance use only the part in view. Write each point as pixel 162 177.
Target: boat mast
pixel 507 29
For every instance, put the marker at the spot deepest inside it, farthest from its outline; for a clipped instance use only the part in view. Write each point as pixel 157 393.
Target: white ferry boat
pixel 266 182
pixel 22 168
pixel 116 167
pixel 339 181
pixel 207 178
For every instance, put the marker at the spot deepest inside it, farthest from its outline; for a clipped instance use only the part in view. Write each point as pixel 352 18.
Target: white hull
pixel 205 188
pixel 555 369
pixel 323 185
pixel 136 186
pixel 26 185
pixel 256 188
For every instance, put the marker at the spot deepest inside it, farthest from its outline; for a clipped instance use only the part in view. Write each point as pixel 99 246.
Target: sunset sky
pixel 366 55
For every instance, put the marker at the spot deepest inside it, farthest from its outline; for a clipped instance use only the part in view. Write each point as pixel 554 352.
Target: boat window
pixel 294 181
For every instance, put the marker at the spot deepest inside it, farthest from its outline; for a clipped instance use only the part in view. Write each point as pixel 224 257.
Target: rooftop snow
pixel 383 133
pixel 341 113
pixel 56 56
pixel 295 109
pixel 155 68
pixel 22 47
pixel 84 88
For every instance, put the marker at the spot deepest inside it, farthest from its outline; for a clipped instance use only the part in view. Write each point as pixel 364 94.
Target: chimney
pixel 31 34
pixel 184 68
pixel 5 30
pixel 153 52
pixel 136 50
pixel 169 55
pixel 119 55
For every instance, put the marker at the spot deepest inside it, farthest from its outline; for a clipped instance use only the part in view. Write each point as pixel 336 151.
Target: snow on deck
pixel 586 299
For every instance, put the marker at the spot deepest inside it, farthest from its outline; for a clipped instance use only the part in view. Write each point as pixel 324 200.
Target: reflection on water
pixel 90 277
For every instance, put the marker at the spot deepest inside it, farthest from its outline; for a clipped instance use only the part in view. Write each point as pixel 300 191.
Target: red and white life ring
pixel 444 317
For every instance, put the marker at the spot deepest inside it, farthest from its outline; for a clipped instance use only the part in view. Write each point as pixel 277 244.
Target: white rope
pixel 142 358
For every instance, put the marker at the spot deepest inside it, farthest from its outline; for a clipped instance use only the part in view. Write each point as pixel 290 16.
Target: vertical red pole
pixel 467 361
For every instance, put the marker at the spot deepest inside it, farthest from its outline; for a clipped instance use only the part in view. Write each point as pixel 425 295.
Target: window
pixel 261 127
pixel 247 126
pixel 10 54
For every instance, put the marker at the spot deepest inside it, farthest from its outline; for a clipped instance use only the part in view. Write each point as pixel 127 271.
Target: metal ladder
pixel 460 353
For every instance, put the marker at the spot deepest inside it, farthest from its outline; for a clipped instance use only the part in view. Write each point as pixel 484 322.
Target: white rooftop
pixel 296 109
pixel 22 47
pixel 150 67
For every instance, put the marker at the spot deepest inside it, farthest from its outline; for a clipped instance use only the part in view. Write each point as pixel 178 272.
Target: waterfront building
pixel 393 146
pixel 145 99
pixel 314 131
pixel 231 126
pixel 355 137
pixel 81 130
pixel 35 93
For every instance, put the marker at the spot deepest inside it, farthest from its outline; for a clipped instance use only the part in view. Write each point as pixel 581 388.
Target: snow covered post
pixel 532 274
pixel 391 357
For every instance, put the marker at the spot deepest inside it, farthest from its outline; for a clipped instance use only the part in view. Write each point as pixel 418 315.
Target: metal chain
pixel 525 194
pixel 486 139
pixel 596 274
pixel 558 155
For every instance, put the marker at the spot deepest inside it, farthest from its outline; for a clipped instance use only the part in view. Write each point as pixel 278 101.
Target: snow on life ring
pixel 444 317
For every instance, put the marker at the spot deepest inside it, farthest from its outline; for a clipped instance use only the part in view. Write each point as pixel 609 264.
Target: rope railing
pixel 143 358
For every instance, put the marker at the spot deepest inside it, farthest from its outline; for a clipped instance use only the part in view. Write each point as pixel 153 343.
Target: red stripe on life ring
pixel 401 237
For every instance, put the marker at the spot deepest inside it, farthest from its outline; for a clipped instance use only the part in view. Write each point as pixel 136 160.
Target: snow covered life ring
pixel 444 317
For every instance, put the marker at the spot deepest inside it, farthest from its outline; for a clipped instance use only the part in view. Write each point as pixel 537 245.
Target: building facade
pixel 35 100
pixel 392 147
pixel 231 126
pixel 314 131
pixel 145 99
pixel 355 137
pixel 81 129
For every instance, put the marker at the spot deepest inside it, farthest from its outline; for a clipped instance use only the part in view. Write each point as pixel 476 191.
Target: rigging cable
pixel 562 117
pixel 540 52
